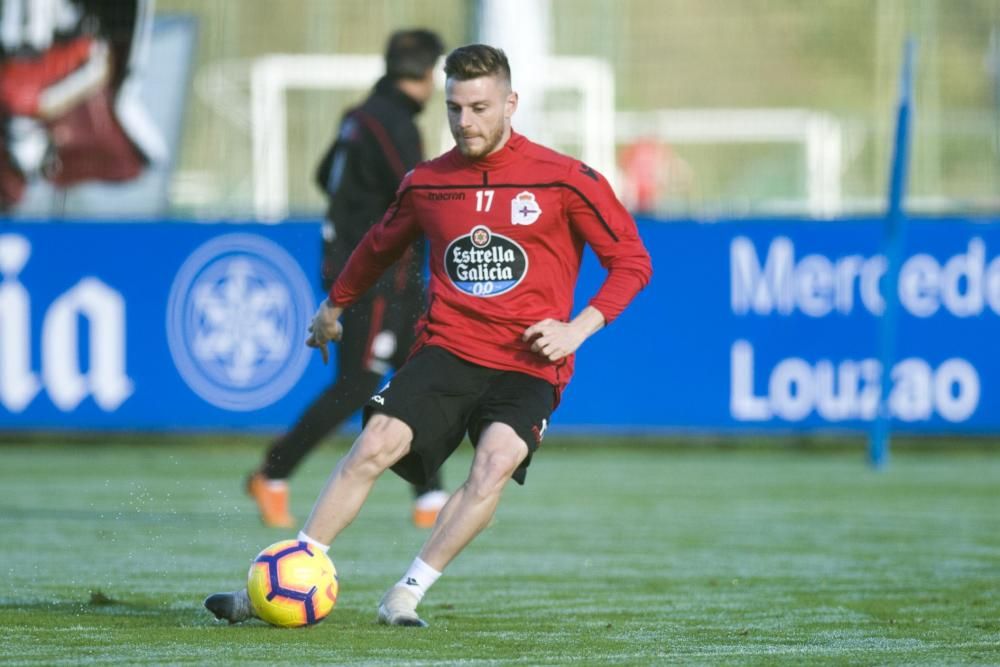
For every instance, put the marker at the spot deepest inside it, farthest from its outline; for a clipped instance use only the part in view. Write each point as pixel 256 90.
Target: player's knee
pixel 383 441
pixel 494 465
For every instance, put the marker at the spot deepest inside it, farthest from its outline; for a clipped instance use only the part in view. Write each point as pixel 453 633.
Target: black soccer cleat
pixel 234 607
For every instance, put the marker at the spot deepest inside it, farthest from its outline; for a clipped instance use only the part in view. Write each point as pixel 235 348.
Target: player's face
pixel 479 112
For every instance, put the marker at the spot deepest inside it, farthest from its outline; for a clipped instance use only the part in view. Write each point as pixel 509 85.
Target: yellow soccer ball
pixel 292 584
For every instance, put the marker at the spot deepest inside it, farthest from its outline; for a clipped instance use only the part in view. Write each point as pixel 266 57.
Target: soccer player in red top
pixel 506 221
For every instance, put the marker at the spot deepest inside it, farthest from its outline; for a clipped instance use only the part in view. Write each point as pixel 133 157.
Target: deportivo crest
pixel 524 210
pixel 485 264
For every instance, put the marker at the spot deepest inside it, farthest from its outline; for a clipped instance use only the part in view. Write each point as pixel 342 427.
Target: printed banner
pixel 759 325
pixel 92 96
pixel 157 326
pixel 746 326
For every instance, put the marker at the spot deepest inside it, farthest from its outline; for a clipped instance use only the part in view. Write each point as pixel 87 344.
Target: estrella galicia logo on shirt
pixel 485 264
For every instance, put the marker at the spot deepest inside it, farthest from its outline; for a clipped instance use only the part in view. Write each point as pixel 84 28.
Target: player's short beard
pixel 490 143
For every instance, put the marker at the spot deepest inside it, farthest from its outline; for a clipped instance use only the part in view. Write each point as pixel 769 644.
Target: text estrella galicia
pixel 484 264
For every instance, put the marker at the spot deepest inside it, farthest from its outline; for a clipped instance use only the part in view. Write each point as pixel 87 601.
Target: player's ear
pixel 510 105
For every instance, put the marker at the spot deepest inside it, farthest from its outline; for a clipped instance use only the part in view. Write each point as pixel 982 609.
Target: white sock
pixel 308 540
pixel 432 500
pixel 419 578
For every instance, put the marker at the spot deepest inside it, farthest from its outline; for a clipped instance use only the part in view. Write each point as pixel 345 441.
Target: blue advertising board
pixel 765 325
pixel 758 325
pixel 157 326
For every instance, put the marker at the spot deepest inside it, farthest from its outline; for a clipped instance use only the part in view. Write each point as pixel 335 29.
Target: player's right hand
pixel 325 327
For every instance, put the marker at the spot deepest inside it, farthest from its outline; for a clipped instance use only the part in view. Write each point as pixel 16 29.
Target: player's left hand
pixel 325 327
pixel 553 339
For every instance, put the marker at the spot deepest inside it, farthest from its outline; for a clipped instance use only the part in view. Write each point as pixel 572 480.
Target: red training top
pixel 506 236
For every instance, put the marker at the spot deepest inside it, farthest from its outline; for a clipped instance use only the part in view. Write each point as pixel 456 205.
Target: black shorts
pixel 442 398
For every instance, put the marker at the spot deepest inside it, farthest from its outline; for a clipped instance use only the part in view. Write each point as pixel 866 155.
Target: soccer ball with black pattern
pixel 292 584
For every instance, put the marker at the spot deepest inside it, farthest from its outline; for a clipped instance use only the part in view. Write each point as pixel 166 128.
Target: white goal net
pixel 578 114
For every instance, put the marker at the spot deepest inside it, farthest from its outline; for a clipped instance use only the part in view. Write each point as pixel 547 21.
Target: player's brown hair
pixel 475 60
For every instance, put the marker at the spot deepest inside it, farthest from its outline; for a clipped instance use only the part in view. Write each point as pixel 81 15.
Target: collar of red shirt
pixel 499 159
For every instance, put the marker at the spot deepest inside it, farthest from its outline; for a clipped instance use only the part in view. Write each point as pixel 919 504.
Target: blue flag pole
pixel 893 243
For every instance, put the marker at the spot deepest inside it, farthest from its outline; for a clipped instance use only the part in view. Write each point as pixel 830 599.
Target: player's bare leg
pixel 383 441
pixel 469 510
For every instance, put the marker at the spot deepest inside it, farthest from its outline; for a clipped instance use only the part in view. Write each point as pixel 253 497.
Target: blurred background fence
pixel 716 108
pixel 831 64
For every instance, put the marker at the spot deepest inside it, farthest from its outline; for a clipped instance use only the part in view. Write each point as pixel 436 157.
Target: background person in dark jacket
pixel 376 145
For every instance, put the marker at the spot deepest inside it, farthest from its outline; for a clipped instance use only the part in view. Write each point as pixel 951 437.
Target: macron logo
pixel 446 196
pixel 410 581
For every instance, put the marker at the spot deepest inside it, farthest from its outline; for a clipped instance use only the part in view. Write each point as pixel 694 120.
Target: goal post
pixel 586 121
pixel 577 115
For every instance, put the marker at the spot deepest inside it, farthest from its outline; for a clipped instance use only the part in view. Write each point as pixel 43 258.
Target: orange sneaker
pixel 427 507
pixel 271 496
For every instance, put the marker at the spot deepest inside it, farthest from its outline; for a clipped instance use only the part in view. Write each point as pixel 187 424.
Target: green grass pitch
pixel 612 554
